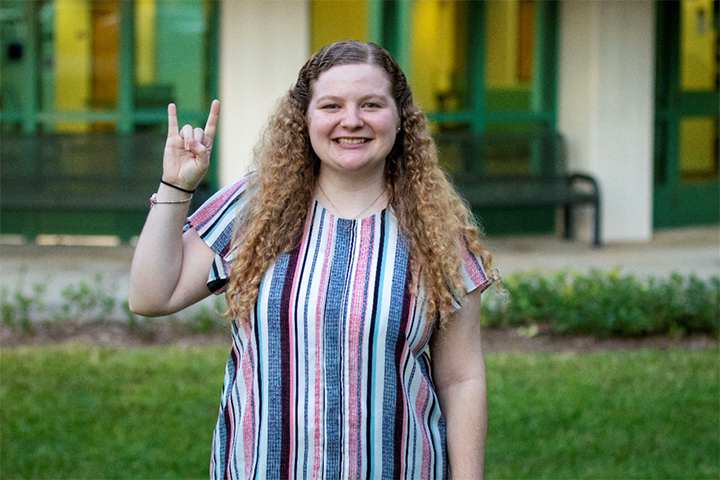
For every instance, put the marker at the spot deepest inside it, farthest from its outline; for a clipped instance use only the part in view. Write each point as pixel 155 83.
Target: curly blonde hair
pixel 430 214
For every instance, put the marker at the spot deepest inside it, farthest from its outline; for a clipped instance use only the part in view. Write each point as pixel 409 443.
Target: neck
pixel 352 199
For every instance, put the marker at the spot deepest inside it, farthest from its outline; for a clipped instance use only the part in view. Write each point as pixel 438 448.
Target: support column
pixel 605 108
pixel 263 44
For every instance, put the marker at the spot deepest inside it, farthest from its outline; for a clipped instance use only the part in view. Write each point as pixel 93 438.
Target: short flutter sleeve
pixel 473 273
pixel 214 221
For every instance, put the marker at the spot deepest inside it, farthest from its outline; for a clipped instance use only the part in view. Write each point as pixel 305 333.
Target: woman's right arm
pixel 170 268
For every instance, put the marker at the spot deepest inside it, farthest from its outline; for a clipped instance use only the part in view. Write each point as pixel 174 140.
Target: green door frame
pixel 390 25
pixel 676 204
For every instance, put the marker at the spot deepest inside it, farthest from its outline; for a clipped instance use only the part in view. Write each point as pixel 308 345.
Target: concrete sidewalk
pixel 23 267
pixel 686 251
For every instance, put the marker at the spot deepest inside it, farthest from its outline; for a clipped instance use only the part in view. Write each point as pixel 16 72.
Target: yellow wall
pixel 332 20
pixel 72 59
pixel 145 41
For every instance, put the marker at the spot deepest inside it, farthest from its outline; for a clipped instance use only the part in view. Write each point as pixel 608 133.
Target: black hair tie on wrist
pixel 176 187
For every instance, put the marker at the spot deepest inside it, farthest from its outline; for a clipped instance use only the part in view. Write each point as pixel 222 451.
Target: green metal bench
pixel 78 184
pixel 518 169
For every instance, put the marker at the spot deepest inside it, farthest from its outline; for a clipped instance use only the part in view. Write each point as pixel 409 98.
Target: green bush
pixel 606 303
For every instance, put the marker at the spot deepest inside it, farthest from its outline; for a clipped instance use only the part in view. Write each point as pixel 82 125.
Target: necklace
pixel 363 211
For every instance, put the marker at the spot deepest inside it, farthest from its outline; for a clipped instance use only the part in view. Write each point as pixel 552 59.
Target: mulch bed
pixel 112 333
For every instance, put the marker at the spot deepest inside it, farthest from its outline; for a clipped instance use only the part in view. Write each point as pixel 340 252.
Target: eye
pixel 330 106
pixel 371 105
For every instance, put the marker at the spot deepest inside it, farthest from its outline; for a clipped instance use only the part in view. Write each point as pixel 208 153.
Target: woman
pixel 348 263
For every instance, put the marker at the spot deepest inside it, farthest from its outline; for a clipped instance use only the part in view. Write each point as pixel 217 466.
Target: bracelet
pixel 154 201
pixel 176 187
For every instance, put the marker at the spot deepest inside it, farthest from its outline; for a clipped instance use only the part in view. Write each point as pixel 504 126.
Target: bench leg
pixel 569 230
pixel 597 241
pixel 568 219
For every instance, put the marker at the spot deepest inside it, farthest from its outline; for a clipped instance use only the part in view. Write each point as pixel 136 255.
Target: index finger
pixel 213 119
pixel 172 120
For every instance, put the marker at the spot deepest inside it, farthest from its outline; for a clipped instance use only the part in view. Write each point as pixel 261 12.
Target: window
pixel 479 65
pixel 89 65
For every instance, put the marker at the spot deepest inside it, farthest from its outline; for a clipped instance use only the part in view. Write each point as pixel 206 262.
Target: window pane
pixel 698 148
pixel 509 48
pixel 79 59
pixel 171 54
pixel 439 55
pixel 13 61
pixel 332 20
pixel 698 46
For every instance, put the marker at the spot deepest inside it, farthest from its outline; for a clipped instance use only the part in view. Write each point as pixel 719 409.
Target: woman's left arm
pixel 459 376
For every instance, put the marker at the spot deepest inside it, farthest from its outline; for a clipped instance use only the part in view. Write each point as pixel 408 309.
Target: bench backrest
pixel 80 169
pixel 537 153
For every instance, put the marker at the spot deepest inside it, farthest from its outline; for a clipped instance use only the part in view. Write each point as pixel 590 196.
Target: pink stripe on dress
pixel 476 275
pixel 319 421
pixel 420 407
pixel 248 414
pixel 212 206
pixel 355 342
pixel 292 341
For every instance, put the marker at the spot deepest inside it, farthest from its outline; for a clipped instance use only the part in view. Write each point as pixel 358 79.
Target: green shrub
pixel 18 307
pixel 209 320
pixel 606 303
pixel 87 300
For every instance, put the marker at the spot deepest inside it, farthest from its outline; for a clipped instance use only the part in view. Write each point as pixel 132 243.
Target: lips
pixel 351 141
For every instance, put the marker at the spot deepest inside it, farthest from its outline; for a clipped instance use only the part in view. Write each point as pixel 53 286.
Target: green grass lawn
pixel 77 411
pixel 643 414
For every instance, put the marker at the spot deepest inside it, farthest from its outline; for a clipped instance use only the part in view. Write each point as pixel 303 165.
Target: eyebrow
pixel 372 96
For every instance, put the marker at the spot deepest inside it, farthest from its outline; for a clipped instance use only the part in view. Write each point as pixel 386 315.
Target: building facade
pixel 632 87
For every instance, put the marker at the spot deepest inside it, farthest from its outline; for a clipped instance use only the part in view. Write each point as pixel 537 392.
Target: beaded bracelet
pixel 176 187
pixel 154 201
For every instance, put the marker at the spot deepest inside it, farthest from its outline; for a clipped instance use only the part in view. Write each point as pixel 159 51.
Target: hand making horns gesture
pixel 187 151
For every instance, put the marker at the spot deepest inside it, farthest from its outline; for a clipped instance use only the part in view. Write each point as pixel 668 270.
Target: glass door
pixel 83 107
pixel 687 184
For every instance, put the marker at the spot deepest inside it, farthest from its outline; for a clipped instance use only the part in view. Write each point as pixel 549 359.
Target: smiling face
pixel 352 120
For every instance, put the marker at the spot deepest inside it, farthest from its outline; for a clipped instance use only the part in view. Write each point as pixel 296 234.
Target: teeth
pixel 351 141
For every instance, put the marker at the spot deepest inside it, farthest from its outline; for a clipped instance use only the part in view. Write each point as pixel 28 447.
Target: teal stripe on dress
pixel 274 371
pixel 394 320
pixel 334 312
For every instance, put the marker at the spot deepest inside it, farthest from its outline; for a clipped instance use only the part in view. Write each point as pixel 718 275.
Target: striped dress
pixel 331 376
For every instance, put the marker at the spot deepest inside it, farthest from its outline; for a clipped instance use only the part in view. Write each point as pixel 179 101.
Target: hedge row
pixel 605 303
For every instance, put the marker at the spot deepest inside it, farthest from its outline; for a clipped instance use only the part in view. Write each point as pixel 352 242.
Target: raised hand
pixel 187 150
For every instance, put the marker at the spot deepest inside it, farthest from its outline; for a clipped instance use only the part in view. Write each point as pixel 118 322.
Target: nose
pixel 352 118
